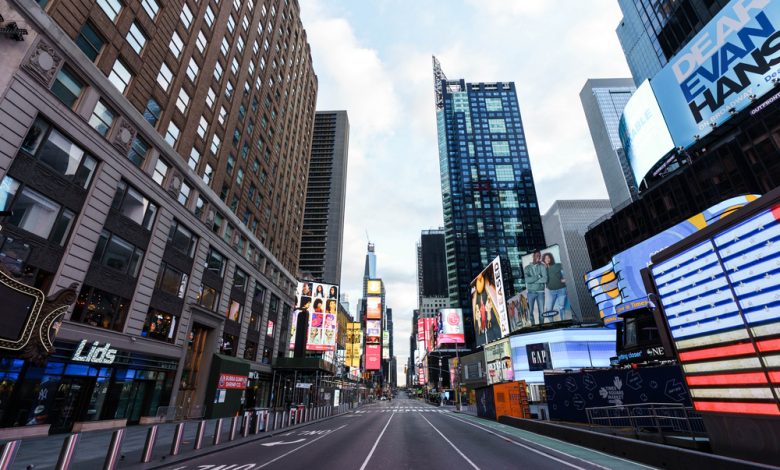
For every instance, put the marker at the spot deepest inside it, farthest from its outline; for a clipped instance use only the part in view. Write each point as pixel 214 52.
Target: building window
pixel 90 41
pixel 186 16
pixel 231 24
pixel 239 177
pixel 184 194
pixel 208 297
pixel 210 98
pixel 111 8
pixel 183 101
pixel 217 225
pixel 172 281
pixel 136 38
pixel 209 16
pixel 493 104
pixel 208 174
pixel 224 47
pixel 138 152
pixel 217 71
pixel 151 7
pixel 234 66
pixel 497 126
pixel 133 205
pixel 200 207
pixel 215 144
pixel 164 77
pixel 231 163
pixel 160 325
pixel 500 148
pixel 160 171
pixel 250 351
pixel 172 134
pixel 201 42
pixel 120 76
pixel 222 115
pixel 101 309
pixel 152 112
pixel 67 87
pixel 102 118
pixel 233 311
pixel 192 162
pixel 228 345
pixel 192 70
pixel 203 127
pixel 182 239
pixel 176 45
pixel 35 213
pixel 215 262
pixel 55 150
pixel 118 254
pixel 240 279
pixel 505 173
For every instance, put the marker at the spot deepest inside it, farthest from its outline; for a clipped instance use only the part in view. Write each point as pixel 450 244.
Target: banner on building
pixel 373 356
pixel 449 322
pixel 498 362
pixel 321 301
pixel 489 304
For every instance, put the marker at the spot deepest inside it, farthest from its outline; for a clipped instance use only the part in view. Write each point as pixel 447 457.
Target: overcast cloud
pixel 373 58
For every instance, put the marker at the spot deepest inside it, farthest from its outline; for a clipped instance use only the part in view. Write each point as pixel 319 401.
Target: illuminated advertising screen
pixel 385 344
pixel 449 322
pixel 321 301
pixel 544 298
pixel 498 362
pixel 489 305
pixel 354 344
pixel 374 286
pixel 373 356
pixel 618 287
pixel 429 324
pixel 420 334
pixel 643 132
pixel 374 332
pixel 730 63
pixel 374 308
pixel 719 299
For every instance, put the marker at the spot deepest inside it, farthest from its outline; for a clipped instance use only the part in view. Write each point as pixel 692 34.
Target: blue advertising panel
pixel 568 395
pixel 643 131
pixel 722 70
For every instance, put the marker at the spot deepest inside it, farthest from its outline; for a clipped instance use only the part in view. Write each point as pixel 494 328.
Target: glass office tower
pixel 488 194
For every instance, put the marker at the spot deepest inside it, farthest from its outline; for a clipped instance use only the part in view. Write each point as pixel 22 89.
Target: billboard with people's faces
pixel 449 324
pixel 488 303
pixel 498 362
pixel 321 301
pixel 544 298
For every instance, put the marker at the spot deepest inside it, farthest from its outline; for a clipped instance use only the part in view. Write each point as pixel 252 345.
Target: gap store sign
pixel 722 70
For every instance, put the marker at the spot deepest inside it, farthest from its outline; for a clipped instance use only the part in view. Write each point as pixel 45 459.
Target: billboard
pixel 643 132
pixel 374 308
pixel 354 345
pixel 429 324
pixel 449 322
pixel 374 286
pixel 544 298
pixel 720 303
pixel 539 357
pixel 618 287
pixel 385 344
pixel 321 301
pixel 489 305
pixel 374 332
pixel 730 63
pixel 568 395
pixel 373 356
pixel 498 362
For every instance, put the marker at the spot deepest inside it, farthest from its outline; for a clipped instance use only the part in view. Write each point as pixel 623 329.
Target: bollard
pixel 247 422
pixel 112 457
pixel 218 432
pixel 233 427
pixel 67 452
pixel 151 436
pixel 275 423
pixel 8 454
pixel 291 417
pixel 178 435
pixel 258 418
pixel 199 434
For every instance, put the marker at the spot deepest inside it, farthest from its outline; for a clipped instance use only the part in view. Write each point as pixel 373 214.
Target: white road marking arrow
pixel 278 443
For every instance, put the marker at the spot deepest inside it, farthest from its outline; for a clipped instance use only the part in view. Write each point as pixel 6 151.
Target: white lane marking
pixel 450 443
pixel 298 448
pixel 279 443
pixel 365 462
pixel 568 464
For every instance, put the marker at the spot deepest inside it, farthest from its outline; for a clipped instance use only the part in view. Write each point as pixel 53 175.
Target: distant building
pixel 432 264
pixel 565 225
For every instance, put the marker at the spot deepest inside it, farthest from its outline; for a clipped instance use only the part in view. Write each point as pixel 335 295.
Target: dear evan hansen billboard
pixel 731 62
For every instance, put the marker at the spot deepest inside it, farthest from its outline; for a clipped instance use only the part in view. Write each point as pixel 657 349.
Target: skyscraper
pixel 488 193
pixel 431 265
pixel 323 216
pixel 603 100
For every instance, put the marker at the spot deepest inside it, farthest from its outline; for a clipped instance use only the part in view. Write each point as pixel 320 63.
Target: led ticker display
pixel 449 323
pixel 618 286
pixel 374 308
pixel 488 303
pixel 720 301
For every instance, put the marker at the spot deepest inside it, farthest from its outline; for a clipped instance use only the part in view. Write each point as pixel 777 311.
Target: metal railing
pixel 665 419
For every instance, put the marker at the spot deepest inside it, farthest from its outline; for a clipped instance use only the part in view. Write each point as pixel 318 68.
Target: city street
pixel 407 433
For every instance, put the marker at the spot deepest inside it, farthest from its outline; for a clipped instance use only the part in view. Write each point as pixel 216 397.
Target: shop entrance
pixel 70 402
pixel 186 400
pixel 139 396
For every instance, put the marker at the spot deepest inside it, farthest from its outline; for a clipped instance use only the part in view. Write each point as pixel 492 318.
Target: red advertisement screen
pixel 373 356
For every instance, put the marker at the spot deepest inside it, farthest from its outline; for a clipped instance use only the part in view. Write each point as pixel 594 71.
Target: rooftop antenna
pixel 368 239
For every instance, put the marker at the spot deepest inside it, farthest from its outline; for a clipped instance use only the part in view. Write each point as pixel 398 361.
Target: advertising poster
pixel 429 324
pixel 353 346
pixel 373 356
pixel 374 332
pixel 449 322
pixel 568 395
pixel 374 308
pixel 498 362
pixel 539 357
pixel 489 304
pixel 321 301
pixel 544 299
pixel 374 286
pixel 486 405
pixel 721 71
pixel 385 344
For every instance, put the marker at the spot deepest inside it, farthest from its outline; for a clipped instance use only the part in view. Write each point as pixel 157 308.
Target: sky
pixel 373 59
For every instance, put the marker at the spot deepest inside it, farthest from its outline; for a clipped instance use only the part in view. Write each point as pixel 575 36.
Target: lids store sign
pixel 94 354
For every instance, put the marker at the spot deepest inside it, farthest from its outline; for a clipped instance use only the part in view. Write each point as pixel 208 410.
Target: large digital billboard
pixel 374 308
pixel 489 304
pixel 544 298
pixel 722 70
pixel 720 303
pixel 643 131
pixel 385 344
pixel 354 345
pixel 373 356
pixel 374 332
pixel 429 324
pixel 321 301
pixel 449 322
pixel 498 362
pixel 618 287
pixel 374 286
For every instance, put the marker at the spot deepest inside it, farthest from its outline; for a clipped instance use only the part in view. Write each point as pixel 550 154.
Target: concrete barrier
pixel 657 455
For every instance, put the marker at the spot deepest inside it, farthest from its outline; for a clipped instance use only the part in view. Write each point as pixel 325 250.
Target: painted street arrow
pixel 279 443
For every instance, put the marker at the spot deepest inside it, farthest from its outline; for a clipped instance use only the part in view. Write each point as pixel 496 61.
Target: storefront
pixel 82 383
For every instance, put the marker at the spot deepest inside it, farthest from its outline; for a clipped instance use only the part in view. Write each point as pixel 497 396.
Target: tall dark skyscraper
pixel 432 264
pixel 323 216
pixel 488 192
